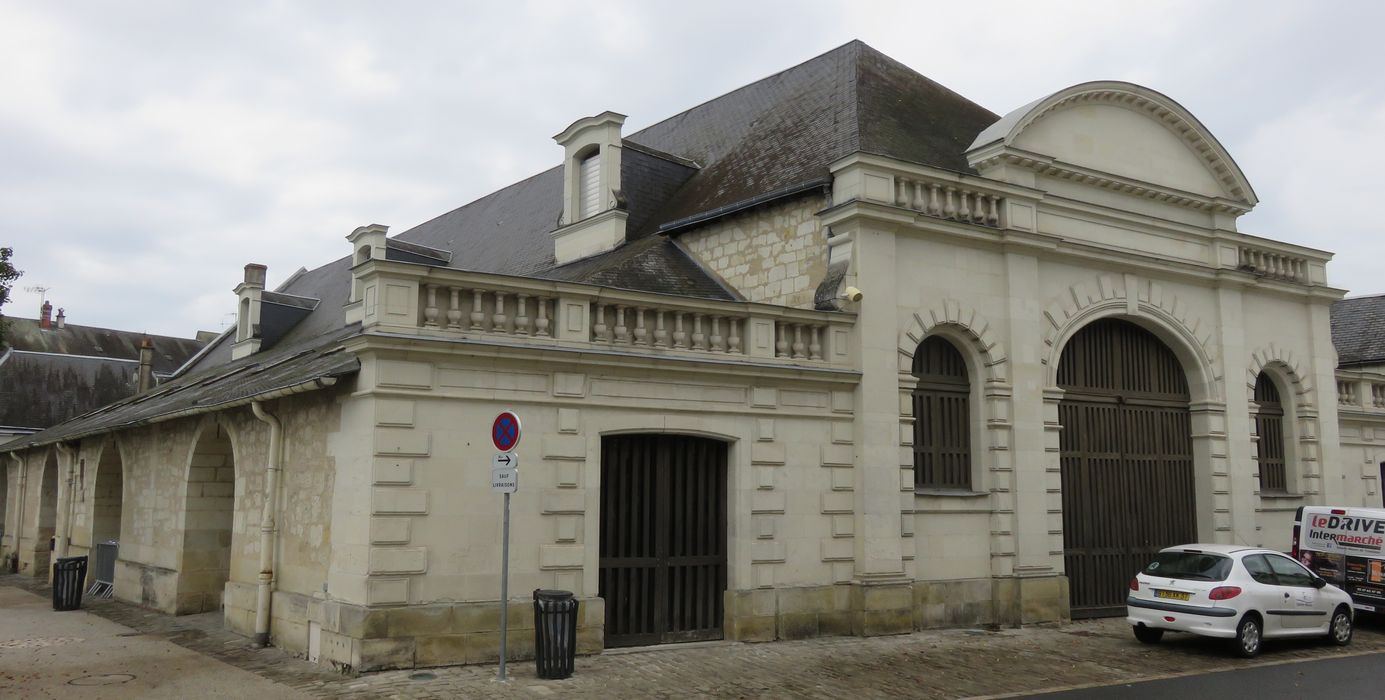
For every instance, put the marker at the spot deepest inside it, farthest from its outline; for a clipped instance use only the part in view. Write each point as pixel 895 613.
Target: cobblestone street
pixel 935 664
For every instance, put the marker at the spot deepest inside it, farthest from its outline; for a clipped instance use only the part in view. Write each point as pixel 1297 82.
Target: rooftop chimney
pixel 248 311
pixel 146 364
pixel 62 319
pixel 45 315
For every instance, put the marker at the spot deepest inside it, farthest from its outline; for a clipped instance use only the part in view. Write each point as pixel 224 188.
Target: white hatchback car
pixel 1239 593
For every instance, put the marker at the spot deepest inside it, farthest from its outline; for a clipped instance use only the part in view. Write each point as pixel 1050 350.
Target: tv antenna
pixel 40 290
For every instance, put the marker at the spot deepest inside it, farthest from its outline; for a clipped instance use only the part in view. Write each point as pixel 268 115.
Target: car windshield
pixel 1194 566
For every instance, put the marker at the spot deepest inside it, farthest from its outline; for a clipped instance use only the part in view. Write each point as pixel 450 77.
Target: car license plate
pixel 1172 595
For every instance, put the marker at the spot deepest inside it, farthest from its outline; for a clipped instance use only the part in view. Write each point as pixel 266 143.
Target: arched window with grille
pixel 942 417
pixel 1269 426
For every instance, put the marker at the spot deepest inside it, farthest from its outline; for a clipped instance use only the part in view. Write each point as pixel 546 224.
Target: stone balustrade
pixel 1273 264
pixel 1377 395
pixel 1357 392
pixel 1346 393
pixel 945 200
pixel 432 300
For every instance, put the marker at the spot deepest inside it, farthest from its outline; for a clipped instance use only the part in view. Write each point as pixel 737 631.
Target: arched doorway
pixel 663 538
pixel 1127 460
pixel 107 507
pixel 47 516
pixel 209 510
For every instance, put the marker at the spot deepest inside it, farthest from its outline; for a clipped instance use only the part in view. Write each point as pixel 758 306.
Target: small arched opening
pixel 47 516
pixel 1270 431
pixel 207 523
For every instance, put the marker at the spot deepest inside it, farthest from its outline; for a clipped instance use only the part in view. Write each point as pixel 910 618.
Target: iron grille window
pixel 942 417
pixel 1269 425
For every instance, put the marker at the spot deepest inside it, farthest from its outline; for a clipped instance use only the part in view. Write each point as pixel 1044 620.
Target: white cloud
pixel 151 150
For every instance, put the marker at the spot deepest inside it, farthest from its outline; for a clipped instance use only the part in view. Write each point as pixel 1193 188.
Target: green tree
pixel 7 277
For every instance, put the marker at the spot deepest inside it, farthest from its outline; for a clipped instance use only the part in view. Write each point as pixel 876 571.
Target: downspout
pixel 267 529
pixel 64 538
pixel 22 478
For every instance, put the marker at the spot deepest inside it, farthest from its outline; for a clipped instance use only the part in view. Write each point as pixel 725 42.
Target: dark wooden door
pixel 1127 460
pixel 663 538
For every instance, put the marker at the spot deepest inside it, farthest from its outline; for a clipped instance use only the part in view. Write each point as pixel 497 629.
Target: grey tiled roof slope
pixel 1358 330
pixel 776 133
pixel 223 386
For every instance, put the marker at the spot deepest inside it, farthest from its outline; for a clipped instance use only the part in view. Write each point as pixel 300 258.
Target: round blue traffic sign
pixel 505 431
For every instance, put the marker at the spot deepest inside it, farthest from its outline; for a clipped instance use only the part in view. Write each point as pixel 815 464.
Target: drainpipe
pixel 64 537
pixel 267 529
pixel 22 479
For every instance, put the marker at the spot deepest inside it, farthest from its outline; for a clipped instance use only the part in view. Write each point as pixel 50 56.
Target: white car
pixel 1232 592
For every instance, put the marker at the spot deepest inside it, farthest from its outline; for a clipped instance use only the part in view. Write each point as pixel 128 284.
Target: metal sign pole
pixel 504 585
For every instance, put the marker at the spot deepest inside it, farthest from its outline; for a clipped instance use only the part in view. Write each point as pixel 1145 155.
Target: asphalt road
pixel 1350 677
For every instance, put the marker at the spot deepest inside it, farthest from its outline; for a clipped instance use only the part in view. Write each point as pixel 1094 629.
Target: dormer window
pixel 589 185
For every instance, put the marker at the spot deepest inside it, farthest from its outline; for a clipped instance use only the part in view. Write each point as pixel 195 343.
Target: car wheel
pixel 1340 630
pixel 1248 636
pixel 1148 635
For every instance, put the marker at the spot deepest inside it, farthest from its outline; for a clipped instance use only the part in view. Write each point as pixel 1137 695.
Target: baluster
pixel 920 201
pixel 950 208
pixel 733 336
pixel 680 339
pixel 541 323
pixel 814 343
pixel 454 310
pixel 901 192
pixel 498 318
pixel 641 335
pixel 522 314
pixel 714 343
pixel 622 333
pixel 599 327
pixel 935 205
pixel 798 347
pixel 699 341
pixel 660 335
pixel 781 345
pixel 478 317
pixel 993 217
pixel 964 211
pixel 430 310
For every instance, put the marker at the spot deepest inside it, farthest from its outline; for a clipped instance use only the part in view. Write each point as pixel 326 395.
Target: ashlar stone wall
pixel 775 254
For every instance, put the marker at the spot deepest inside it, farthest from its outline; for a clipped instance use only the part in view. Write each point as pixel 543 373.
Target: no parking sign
pixel 505 431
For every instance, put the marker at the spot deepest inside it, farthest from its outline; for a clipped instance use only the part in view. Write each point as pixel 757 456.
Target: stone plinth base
pixel 357 638
pixel 1026 600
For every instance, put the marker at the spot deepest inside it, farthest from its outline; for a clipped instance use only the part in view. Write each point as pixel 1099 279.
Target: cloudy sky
pixel 149 150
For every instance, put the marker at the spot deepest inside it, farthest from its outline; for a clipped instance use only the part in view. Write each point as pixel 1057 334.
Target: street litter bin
pixel 68 575
pixel 555 633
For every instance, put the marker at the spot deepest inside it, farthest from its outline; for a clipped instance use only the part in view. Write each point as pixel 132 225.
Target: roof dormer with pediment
pixel 1119 137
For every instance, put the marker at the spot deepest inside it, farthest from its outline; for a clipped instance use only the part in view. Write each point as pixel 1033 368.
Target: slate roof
pixel 773 138
pixel 50 375
pixel 1358 330
pixel 224 386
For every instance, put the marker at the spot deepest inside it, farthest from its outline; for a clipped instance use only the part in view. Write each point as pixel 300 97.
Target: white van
pixel 1346 546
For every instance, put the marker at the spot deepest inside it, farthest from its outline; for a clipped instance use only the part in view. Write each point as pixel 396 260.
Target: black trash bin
pixel 68 575
pixel 555 633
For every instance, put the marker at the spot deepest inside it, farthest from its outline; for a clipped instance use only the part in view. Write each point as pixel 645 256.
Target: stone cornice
pixel 1044 165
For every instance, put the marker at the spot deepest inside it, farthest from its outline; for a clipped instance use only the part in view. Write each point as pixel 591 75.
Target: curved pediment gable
pixel 1136 135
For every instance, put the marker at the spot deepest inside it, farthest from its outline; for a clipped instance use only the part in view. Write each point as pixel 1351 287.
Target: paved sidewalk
pixel 935 664
pixel 47 654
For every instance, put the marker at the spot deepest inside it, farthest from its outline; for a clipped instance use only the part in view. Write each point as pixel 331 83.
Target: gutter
pixel 263 596
pixel 301 387
pixel 734 207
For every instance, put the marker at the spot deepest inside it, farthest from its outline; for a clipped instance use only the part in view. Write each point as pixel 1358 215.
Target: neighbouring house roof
pixel 1358 330
pixel 48 375
pixel 288 368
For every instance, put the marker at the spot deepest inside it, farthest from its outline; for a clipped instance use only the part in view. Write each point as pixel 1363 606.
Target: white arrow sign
pixel 505 460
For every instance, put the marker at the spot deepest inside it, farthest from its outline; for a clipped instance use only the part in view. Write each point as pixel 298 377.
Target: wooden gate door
pixel 663 538
pixel 1127 460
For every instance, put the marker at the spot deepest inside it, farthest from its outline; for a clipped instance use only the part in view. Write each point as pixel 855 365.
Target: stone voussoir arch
pixel 1131 297
pixel 970 326
pixel 1274 357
